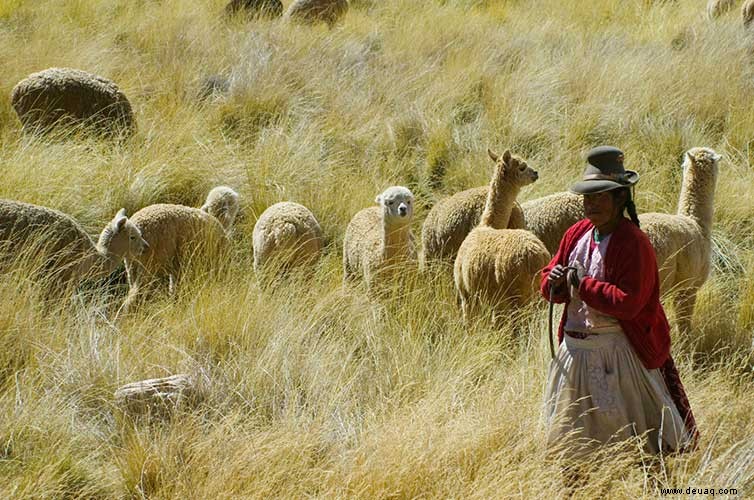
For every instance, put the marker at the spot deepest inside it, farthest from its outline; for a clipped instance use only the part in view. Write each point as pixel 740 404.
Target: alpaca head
pixel 121 237
pixel 701 160
pixel 397 204
pixel 222 203
pixel 512 169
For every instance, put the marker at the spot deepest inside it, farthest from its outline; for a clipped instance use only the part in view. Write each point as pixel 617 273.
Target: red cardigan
pixel 631 292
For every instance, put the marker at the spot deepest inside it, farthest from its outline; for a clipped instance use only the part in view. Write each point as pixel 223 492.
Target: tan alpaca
pixel 682 241
pixel 288 235
pixel 747 12
pixel 178 237
pixel 550 217
pixel 716 8
pixel 63 251
pixel 452 219
pixel 222 204
pixel 496 265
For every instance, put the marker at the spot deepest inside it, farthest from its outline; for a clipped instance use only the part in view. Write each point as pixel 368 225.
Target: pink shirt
pixel 580 317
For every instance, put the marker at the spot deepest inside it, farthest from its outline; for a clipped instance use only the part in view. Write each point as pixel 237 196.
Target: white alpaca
pixel 222 203
pixel 682 241
pixel 379 238
pixel 288 233
pixel 496 265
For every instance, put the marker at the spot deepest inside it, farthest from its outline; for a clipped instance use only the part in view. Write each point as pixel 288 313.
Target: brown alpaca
pixel 64 96
pixel 314 11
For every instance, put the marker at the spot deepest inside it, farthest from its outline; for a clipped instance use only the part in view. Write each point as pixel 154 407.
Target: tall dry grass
pixel 319 391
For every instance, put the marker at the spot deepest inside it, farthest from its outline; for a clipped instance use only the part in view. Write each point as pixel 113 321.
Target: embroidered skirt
pixel 598 391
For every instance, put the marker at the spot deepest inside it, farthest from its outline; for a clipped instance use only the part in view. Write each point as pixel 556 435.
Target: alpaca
pixel 255 8
pixel 379 238
pixel 452 219
pixel 682 241
pixel 496 265
pixel 747 12
pixel 716 8
pixel 312 11
pixel 175 234
pixel 222 204
pixel 67 253
pixel 64 95
pixel 289 232
pixel 550 217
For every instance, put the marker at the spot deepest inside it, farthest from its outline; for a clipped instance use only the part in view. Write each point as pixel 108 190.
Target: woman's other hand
pixel 557 275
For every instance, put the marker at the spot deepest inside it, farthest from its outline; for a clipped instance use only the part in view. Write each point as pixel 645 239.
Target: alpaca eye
pixel 390 203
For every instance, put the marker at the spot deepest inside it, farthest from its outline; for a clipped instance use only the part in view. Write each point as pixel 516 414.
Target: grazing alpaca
pixel 496 265
pixel 222 204
pixel 287 235
pixel 747 12
pixel 65 251
pixel 65 96
pixel 682 242
pixel 177 236
pixel 716 8
pixel 313 11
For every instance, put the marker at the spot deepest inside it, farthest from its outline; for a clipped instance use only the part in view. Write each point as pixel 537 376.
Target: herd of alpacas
pixel 496 246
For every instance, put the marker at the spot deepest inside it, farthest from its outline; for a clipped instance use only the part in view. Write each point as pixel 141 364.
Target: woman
pixel 612 377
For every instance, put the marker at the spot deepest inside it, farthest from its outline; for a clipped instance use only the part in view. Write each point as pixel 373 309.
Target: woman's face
pixel 602 208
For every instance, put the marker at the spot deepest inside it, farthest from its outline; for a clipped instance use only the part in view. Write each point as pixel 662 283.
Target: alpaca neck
pixel 394 238
pixel 499 204
pixel 697 199
pixel 103 262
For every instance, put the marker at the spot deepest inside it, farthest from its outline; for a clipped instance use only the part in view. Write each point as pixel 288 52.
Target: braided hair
pixel 629 206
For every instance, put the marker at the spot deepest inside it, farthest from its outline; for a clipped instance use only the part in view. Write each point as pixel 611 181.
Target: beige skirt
pixel 599 392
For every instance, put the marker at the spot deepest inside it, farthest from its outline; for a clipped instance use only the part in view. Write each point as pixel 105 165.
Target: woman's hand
pixel 557 275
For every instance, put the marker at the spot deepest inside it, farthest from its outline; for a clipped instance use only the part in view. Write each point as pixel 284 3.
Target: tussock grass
pixel 324 391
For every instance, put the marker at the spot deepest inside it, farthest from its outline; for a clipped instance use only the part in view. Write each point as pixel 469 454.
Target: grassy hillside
pixel 325 392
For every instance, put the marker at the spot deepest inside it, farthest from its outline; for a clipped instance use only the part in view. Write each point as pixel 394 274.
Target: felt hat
pixel 604 172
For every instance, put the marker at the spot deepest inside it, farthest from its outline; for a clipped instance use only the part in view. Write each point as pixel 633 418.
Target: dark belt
pixel 579 335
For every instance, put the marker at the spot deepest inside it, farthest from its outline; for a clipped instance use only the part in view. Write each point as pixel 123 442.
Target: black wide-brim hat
pixel 604 172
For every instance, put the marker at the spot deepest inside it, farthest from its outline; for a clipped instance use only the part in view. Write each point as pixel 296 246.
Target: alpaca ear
pixel 507 156
pixel 493 155
pixel 120 220
pixel 378 200
pixel 690 157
